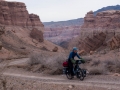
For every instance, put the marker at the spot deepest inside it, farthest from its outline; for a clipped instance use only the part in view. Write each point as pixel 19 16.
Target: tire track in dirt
pixel 62 80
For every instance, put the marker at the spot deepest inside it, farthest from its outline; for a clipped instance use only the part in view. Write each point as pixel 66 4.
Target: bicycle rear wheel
pixel 68 74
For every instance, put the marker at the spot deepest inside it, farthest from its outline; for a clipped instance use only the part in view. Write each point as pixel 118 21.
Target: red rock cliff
pixel 105 19
pixel 16 14
pixel 102 30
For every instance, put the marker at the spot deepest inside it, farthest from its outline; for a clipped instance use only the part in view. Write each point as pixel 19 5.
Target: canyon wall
pixel 100 31
pixel 13 14
pixel 106 19
pixel 21 33
pixel 62 31
pixel 16 14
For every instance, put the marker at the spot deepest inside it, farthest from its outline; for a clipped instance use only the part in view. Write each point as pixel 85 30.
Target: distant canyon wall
pixel 61 34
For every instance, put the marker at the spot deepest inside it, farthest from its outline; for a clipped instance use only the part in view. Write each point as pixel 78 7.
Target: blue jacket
pixel 72 55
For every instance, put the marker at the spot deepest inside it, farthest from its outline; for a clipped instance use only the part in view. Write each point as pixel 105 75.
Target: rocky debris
pixel 37 35
pixel 2 30
pixel 55 49
pixel 71 86
pixel 93 43
pixel 22 47
pixel 0 45
pixel 44 48
pixel 15 13
pixel 91 52
pixel 35 41
pixel 105 19
pixel 114 42
pixel 116 74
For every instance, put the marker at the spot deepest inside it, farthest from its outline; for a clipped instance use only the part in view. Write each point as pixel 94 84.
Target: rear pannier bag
pixel 65 64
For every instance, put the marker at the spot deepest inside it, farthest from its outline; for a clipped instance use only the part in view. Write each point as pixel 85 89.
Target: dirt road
pixel 34 81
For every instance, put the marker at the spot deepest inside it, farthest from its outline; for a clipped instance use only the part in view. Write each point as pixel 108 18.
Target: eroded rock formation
pixel 106 19
pixel 114 42
pixel 93 43
pixel 15 13
pixel 100 31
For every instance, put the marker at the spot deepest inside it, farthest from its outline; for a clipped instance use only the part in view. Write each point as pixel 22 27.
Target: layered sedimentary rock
pixel 15 13
pixel 35 20
pixel 114 42
pixel 62 31
pixel 106 19
pixel 61 34
pixel 101 30
pixel 93 43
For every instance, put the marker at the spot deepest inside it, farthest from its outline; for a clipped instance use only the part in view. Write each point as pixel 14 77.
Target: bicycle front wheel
pixel 80 75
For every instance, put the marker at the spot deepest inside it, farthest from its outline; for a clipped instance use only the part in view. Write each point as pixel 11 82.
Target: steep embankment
pixel 21 33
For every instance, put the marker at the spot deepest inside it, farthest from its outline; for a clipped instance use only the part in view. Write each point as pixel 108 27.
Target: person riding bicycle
pixel 71 60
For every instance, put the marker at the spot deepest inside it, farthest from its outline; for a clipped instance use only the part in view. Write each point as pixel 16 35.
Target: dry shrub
pixel 87 59
pixel 117 66
pixel 97 70
pixel 103 65
pixel 95 63
pixel 109 62
pixel 51 61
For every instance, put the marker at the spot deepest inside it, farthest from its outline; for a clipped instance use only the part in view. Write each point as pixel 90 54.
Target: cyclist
pixel 71 60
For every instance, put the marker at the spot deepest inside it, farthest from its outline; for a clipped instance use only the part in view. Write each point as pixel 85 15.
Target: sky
pixel 61 10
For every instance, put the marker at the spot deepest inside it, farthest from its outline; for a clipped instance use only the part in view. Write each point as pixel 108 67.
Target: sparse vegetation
pixel 103 64
pixel 97 70
pixel 96 62
pixel 51 62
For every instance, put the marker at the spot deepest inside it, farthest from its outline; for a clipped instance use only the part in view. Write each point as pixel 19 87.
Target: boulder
pixel 37 35
pixel 55 49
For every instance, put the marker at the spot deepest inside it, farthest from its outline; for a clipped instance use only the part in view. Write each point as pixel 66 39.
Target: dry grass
pixel 52 62
pixel 95 63
pixel 103 64
pixel 97 70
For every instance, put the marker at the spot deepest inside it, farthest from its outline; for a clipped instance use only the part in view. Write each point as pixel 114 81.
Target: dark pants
pixel 71 67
